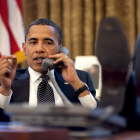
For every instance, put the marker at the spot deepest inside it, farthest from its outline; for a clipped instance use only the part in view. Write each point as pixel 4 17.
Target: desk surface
pixel 33 133
pixel 126 135
pixel 57 134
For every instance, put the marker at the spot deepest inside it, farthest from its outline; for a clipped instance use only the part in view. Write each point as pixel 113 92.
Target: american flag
pixel 11 28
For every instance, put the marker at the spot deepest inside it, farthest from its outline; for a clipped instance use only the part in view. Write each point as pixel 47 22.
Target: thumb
pixel 14 61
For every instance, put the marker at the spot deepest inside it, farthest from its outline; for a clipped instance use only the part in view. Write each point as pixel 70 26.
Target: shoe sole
pixel 113 53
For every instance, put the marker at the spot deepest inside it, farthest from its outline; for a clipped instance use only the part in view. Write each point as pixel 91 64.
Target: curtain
pixel 80 20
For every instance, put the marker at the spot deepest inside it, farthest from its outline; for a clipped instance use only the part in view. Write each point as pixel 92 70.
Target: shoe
pixel 112 50
pixel 137 73
pixel 131 109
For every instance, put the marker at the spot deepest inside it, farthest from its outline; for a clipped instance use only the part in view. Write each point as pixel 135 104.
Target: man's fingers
pixel 59 57
pixel 14 61
pixel 56 56
pixel 58 60
pixel 6 65
pixel 5 72
pixel 5 61
pixel 8 57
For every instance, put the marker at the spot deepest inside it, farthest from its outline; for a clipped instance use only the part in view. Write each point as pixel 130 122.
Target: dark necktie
pixel 45 93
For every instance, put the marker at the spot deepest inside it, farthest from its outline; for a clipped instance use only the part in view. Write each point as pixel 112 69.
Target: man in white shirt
pixel 43 38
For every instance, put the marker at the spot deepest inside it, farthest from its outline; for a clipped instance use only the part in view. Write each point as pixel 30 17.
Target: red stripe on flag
pixel 19 3
pixel 4 15
pixel 4 11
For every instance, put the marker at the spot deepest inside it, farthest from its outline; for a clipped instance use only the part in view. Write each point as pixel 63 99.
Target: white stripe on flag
pixel 15 22
pixel 4 39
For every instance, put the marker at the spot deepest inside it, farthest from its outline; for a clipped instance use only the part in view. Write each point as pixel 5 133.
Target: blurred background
pixel 79 20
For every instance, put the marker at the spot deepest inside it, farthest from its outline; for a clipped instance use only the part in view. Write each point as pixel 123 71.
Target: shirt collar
pixel 34 76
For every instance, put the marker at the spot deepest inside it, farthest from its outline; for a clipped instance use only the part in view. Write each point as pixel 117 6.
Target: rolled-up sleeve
pixel 5 100
pixel 88 101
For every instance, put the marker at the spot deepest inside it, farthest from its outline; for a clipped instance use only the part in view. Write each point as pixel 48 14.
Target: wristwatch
pixel 82 89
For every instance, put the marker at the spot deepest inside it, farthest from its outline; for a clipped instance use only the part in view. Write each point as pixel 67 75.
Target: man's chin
pixel 38 69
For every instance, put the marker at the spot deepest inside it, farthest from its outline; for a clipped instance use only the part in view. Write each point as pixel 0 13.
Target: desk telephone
pixel 47 64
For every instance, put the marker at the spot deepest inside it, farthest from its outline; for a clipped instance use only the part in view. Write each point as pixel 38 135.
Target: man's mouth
pixel 38 59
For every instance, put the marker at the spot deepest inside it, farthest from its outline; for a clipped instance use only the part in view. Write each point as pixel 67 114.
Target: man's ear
pixel 24 48
pixel 59 47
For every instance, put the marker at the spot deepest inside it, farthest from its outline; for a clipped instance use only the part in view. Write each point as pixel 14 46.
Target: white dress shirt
pixel 35 79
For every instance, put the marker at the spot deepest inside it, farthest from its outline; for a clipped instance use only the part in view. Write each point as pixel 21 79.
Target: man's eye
pixel 48 42
pixel 33 42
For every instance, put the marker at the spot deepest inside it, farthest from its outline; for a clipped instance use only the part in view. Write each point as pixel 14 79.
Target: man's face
pixel 41 41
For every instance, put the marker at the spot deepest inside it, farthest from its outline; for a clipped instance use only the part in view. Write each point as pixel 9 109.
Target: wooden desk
pixel 33 134
pixel 126 135
pixel 57 134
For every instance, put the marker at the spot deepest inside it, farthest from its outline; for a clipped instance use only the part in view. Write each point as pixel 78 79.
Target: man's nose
pixel 40 48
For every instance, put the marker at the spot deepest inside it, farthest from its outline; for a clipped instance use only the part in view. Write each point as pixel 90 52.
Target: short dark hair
pixel 44 21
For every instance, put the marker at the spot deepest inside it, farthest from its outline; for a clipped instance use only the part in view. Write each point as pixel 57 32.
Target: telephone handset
pixel 48 63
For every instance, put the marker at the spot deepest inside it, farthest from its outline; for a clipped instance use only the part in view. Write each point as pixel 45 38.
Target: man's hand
pixel 68 72
pixel 7 73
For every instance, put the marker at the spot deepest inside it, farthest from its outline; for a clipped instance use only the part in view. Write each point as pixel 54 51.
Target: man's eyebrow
pixel 49 39
pixel 32 39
